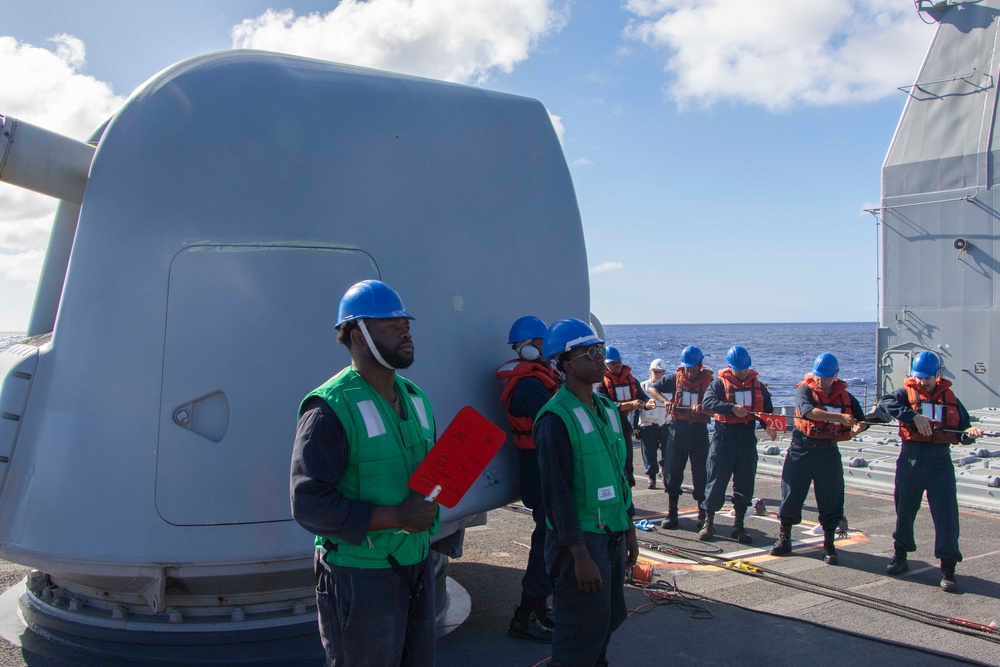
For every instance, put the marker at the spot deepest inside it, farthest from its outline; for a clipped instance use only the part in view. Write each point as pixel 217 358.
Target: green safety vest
pixel 601 492
pixel 382 452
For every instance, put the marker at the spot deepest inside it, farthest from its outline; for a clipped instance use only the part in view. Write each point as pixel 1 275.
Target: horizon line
pixel 658 324
pixel 661 324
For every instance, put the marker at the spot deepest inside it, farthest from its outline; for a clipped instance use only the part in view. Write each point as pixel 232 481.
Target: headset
pixel 526 351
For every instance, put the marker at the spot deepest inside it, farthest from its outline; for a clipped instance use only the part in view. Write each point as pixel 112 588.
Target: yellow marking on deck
pixel 662 561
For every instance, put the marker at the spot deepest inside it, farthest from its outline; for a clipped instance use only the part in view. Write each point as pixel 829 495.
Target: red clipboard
pixel 458 457
pixel 777 422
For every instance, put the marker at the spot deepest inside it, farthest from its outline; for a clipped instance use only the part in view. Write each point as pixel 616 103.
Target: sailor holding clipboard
pixel 360 437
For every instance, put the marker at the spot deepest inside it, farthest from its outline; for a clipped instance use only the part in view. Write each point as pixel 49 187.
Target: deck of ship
pixel 799 610
pixel 755 619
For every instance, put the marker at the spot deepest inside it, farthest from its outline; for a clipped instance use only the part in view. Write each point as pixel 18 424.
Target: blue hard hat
pixel 925 365
pixel 691 356
pixel 738 358
pixel 567 334
pixel 613 354
pixel 826 366
pixel 526 328
pixel 370 299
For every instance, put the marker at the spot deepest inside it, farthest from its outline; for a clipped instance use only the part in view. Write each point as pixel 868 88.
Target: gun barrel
pixel 43 161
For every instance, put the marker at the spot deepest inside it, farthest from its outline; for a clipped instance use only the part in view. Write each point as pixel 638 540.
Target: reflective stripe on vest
pixel 746 393
pixel 601 493
pixel 940 406
pixel 657 415
pixel 373 420
pixel 383 450
pixel 838 401
pixel 689 393
pixel 621 387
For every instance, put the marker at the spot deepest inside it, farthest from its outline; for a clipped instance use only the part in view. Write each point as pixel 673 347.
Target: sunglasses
pixel 594 353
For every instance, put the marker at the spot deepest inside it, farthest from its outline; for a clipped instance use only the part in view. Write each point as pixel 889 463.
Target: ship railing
pixel 783 396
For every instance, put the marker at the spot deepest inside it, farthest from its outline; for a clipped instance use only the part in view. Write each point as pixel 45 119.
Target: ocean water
pixel 8 338
pixel 781 353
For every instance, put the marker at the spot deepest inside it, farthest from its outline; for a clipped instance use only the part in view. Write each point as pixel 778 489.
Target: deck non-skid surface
pixel 797 628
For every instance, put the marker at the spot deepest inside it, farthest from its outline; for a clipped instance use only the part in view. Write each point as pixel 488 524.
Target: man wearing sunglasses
pixel 591 540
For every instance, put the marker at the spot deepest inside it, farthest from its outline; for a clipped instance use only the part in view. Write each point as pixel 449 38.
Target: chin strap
pixel 371 345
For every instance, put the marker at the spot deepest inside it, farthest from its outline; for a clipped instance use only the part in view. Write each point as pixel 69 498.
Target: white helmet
pixel 658 365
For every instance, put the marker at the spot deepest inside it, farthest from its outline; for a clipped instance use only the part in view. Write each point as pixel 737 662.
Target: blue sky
pixel 722 151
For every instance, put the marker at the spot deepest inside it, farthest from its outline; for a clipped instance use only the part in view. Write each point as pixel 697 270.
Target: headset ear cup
pixel 528 352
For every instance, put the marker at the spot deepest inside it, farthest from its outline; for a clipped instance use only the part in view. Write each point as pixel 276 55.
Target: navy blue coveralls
pixel 925 466
pixel 584 621
pixel 733 453
pixel 817 462
pixel 528 398
pixel 687 440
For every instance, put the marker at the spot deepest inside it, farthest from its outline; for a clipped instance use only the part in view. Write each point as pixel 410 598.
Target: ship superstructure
pixel 938 284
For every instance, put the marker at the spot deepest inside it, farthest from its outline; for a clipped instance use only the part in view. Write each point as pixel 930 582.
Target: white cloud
pixel 22 266
pixel 582 162
pixel 44 87
pixel 604 267
pixel 557 125
pixel 455 40
pixel 780 54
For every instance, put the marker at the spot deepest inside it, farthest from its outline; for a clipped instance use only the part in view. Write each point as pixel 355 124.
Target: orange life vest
pixel 941 396
pixel 513 372
pixel 621 387
pixel 732 385
pixel 837 398
pixel 697 387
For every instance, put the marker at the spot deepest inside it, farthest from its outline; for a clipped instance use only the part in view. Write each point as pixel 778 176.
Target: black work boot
pixel 671 521
pixel 701 517
pixel 740 533
pixel 948 584
pixel 707 528
pixel 542 612
pixel 830 551
pixel 783 546
pixel 525 625
pixel 898 564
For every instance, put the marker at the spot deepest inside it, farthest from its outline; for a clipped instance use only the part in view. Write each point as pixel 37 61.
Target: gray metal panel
pixel 17 368
pixel 922 266
pixel 937 188
pixel 461 193
pixel 232 309
pixel 950 103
